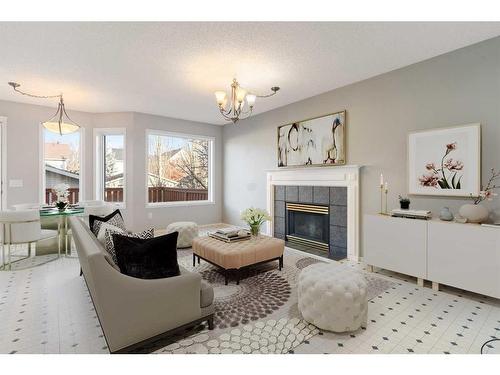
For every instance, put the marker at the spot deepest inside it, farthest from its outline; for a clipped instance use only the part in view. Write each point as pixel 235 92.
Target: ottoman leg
pixel 198 260
pixel 225 278
pixel 194 260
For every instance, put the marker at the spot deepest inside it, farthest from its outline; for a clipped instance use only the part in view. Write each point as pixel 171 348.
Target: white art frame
pixel 445 161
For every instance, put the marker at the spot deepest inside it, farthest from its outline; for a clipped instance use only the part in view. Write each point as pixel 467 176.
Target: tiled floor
pixel 47 309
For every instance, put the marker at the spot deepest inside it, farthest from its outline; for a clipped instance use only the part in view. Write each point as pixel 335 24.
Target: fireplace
pixel 308 225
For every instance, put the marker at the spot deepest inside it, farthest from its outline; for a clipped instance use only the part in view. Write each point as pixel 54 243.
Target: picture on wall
pixel 313 142
pixel 445 161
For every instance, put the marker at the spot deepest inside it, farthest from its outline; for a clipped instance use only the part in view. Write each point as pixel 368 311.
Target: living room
pixel 281 187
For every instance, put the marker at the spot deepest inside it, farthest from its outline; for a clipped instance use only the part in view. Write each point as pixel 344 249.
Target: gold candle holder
pixel 386 191
pixel 381 199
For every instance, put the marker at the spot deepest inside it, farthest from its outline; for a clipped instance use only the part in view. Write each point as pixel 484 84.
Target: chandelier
pixel 60 123
pixel 241 102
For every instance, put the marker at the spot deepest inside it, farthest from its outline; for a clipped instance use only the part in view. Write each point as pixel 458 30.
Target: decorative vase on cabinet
pixel 474 213
pixel 446 214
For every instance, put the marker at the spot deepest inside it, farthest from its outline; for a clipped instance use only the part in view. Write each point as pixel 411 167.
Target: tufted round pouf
pixel 188 230
pixel 333 296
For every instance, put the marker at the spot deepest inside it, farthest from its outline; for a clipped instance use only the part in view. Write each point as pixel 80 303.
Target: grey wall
pixel 458 88
pixel 23 152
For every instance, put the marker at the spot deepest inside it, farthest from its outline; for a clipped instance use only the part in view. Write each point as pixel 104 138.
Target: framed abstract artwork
pixel 319 141
pixel 445 161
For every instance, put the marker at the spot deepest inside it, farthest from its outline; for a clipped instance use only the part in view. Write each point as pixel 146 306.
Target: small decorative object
pixel 255 217
pixel 446 214
pixel 404 203
pixel 476 212
pixel 62 194
pixel 317 141
pixel 445 161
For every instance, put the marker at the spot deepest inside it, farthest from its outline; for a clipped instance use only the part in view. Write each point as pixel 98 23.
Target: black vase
pixel 404 205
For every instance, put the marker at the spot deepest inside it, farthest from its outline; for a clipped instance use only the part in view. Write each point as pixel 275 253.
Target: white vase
pixel 474 213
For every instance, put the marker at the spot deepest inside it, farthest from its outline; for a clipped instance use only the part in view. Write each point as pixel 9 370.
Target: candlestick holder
pixel 386 191
pixel 381 199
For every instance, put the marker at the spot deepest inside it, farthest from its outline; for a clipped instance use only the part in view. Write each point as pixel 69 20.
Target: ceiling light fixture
pixel 60 123
pixel 240 98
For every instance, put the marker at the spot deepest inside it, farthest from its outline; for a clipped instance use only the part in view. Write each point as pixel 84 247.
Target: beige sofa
pixel 134 311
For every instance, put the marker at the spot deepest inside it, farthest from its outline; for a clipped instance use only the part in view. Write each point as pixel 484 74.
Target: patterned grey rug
pixel 259 315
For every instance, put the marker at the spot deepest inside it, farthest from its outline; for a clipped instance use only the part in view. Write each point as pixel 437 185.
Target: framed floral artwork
pixel 319 141
pixel 445 161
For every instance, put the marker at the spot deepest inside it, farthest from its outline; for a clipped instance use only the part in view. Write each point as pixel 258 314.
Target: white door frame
pixel 3 163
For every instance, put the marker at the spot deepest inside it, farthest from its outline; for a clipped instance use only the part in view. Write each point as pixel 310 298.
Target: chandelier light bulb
pixel 240 94
pixel 251 100
pixel 220 96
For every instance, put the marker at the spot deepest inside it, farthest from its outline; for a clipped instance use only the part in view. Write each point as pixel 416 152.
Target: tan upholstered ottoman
pixel 235 256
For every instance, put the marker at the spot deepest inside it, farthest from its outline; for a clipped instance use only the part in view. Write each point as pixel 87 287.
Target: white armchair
pixel 22 227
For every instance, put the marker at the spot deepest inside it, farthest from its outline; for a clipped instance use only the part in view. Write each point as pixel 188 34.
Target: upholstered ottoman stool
pixel 333 297
pixel 188 231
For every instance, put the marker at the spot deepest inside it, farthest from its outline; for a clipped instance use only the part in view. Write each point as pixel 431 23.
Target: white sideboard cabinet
pixel 465 256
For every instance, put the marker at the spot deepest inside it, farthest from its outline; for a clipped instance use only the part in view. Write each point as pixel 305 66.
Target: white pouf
pixel 333 297
pixel 188 231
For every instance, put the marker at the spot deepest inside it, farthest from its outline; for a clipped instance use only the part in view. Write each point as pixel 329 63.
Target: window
pixel 61 164
pixel 179 168
pixel 110 165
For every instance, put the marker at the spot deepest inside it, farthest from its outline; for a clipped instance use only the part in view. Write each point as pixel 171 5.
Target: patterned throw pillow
pixel 115 218
pixel 103 228
pixel 109 243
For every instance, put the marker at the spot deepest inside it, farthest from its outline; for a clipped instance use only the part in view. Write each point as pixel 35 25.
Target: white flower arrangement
pixel 255 217
pixel 62 192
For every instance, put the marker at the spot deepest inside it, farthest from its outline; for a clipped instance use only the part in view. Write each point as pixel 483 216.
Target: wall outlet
pixel 150 215
pixel 16 183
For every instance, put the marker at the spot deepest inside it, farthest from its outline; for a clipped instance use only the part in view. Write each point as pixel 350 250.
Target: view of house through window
pixel 113 168
pixel 178 168
pixel 61 164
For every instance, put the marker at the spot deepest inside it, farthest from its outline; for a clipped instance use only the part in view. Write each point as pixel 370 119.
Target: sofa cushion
pixel 153 258
pixel 109 244
pixel 115 218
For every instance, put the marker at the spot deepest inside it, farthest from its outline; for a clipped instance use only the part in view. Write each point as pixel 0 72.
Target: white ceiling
pixel 172 69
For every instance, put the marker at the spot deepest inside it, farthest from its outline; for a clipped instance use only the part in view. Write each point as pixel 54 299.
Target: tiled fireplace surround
pixel 335 197
pixel 337 187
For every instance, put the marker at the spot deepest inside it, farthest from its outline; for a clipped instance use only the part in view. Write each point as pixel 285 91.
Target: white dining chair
pixel 26 206
pixel 22 227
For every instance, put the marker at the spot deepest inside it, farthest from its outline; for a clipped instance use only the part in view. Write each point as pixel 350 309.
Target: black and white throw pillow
pixel 114 218
pixel 155 258
pixel 109 242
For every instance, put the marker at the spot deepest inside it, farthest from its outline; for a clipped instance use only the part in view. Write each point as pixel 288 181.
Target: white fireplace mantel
pixel 345 176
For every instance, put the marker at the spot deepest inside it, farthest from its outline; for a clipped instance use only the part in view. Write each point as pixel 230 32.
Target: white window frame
pixel 99 153
pixel 3 166
pixel 41 158
pixel 211 156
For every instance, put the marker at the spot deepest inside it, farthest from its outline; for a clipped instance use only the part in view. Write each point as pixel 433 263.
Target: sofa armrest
pixel 131 310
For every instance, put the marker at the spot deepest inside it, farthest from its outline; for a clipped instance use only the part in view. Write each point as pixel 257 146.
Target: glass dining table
pixel 62 224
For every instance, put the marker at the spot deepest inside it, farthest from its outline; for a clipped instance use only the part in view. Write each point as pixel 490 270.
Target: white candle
pixel 386 187
pixel 381 179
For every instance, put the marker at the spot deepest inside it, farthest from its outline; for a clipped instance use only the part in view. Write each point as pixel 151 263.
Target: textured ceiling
pixel 172 69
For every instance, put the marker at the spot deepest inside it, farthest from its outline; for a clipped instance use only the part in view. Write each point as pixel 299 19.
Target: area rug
pixel 260 315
